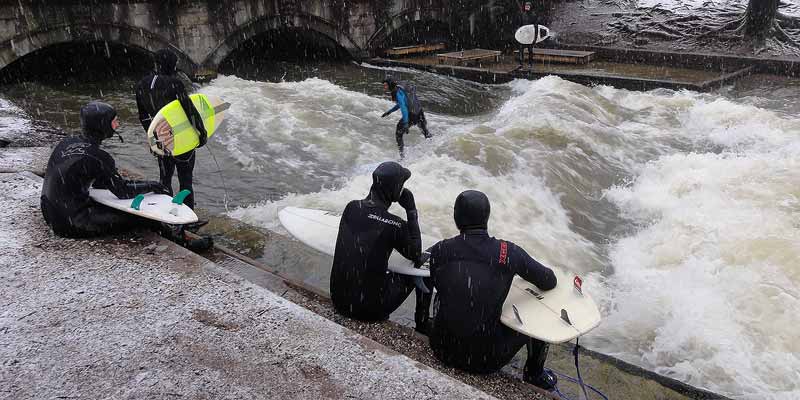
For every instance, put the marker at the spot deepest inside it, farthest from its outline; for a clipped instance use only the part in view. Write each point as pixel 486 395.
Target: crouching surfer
pixel 77 164
pixel 472 274
pixel 362 287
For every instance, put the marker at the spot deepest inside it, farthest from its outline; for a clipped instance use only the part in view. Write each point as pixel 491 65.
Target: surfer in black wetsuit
pixel 411 109
pixel 527 16
pixel 361 285
pixel 472 273
pixel 78 163
pixel 155 91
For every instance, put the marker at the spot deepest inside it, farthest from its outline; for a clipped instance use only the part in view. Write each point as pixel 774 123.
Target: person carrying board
pixel 155 91
pixel 472 274
pixel 410 107
pixel 527 16
pixel 77 164
pixel 362 287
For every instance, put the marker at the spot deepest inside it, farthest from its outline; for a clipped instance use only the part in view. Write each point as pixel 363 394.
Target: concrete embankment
pixel 138 317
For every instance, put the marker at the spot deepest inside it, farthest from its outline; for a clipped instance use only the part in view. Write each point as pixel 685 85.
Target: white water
pixel 682 208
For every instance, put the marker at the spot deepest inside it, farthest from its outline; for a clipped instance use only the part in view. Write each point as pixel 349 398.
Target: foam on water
pixel 683 208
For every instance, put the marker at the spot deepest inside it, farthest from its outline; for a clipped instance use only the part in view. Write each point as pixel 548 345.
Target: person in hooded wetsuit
pixel 472 273
pixel 78 163
pixel 362 287
pixel 411 110
pixel 527 16
pixel 155 91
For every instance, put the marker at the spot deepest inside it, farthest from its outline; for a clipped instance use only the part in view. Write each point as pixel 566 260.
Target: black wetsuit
pixel 76 164
pixel 472 273
pixel 155 91
pixel 361 285
pixel 527 18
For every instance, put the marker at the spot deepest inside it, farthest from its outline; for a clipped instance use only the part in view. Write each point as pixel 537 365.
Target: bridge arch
pixel 401 20
pixel 22 45
pixel 263 25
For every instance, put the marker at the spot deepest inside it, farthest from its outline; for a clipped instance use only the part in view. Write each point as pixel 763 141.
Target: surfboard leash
pixel 222 178
pixel 579 380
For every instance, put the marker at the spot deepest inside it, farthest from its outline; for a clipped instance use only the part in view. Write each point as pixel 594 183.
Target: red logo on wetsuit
pixel 503 252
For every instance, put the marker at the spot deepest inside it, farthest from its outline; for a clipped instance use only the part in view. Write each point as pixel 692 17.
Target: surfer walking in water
pixel 155 91
pixel 472 274
pixel 527 16
pixel 410 107
pixel 77 164
pixel 362 287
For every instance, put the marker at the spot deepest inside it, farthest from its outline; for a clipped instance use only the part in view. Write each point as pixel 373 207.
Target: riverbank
pixel 135 316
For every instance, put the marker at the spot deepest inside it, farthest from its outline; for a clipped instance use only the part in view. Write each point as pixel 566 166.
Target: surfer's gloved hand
pixel 406 200
pixel 384 115
pixel 203 137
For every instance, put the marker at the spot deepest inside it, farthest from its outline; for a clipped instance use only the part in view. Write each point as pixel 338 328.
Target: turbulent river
pixel 682 209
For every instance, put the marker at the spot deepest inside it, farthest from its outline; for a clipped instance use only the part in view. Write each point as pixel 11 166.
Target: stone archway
pixel 402 19
pixel 22 45
pixel 266 24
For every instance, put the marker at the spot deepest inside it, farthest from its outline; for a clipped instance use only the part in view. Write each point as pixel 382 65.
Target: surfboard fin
pixel 137 201
pixel 181 196
pixel 565 316
pixel 516 314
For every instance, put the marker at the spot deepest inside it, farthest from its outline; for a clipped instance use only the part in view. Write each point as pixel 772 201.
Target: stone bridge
pixel 204 32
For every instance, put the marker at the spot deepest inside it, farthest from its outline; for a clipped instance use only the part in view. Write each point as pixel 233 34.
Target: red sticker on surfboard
pixel 578 282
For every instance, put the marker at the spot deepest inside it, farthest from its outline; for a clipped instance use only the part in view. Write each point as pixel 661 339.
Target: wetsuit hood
pixel 392 87
pixel 387 182
pixel 166 62
pixel 96 118
pixel 471 210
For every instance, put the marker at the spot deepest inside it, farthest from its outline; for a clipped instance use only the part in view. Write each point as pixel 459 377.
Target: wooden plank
pixel 461 57
pixel 724 79
pixel 561 56
pixel 415 49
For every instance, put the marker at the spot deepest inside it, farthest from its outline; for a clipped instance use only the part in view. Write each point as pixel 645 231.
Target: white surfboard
pixel 526 34
pixel 159 207
pixel 538 313
pixel 319 228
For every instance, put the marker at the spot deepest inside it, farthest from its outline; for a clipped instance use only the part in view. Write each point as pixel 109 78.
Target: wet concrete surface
pixel 136 316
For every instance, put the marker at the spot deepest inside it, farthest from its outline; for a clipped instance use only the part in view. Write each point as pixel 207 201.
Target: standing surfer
pixel 410 107
pixel 155 91
pixel 472 274
pixel 527 16
pixel 362 287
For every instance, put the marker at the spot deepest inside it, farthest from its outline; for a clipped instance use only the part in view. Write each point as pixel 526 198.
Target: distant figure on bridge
pixel 526 16
pixel 409 105
pixel 155 91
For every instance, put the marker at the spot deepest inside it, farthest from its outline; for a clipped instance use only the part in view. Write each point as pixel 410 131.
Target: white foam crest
pixel 709 290
pixel 312 126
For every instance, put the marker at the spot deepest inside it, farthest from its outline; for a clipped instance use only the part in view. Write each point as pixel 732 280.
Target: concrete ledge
pixel 139 317
pixel 32 159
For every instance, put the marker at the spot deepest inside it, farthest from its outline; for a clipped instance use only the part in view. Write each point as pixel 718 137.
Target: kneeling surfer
pixel 362 287
pixel 77 164
pixel 472 273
